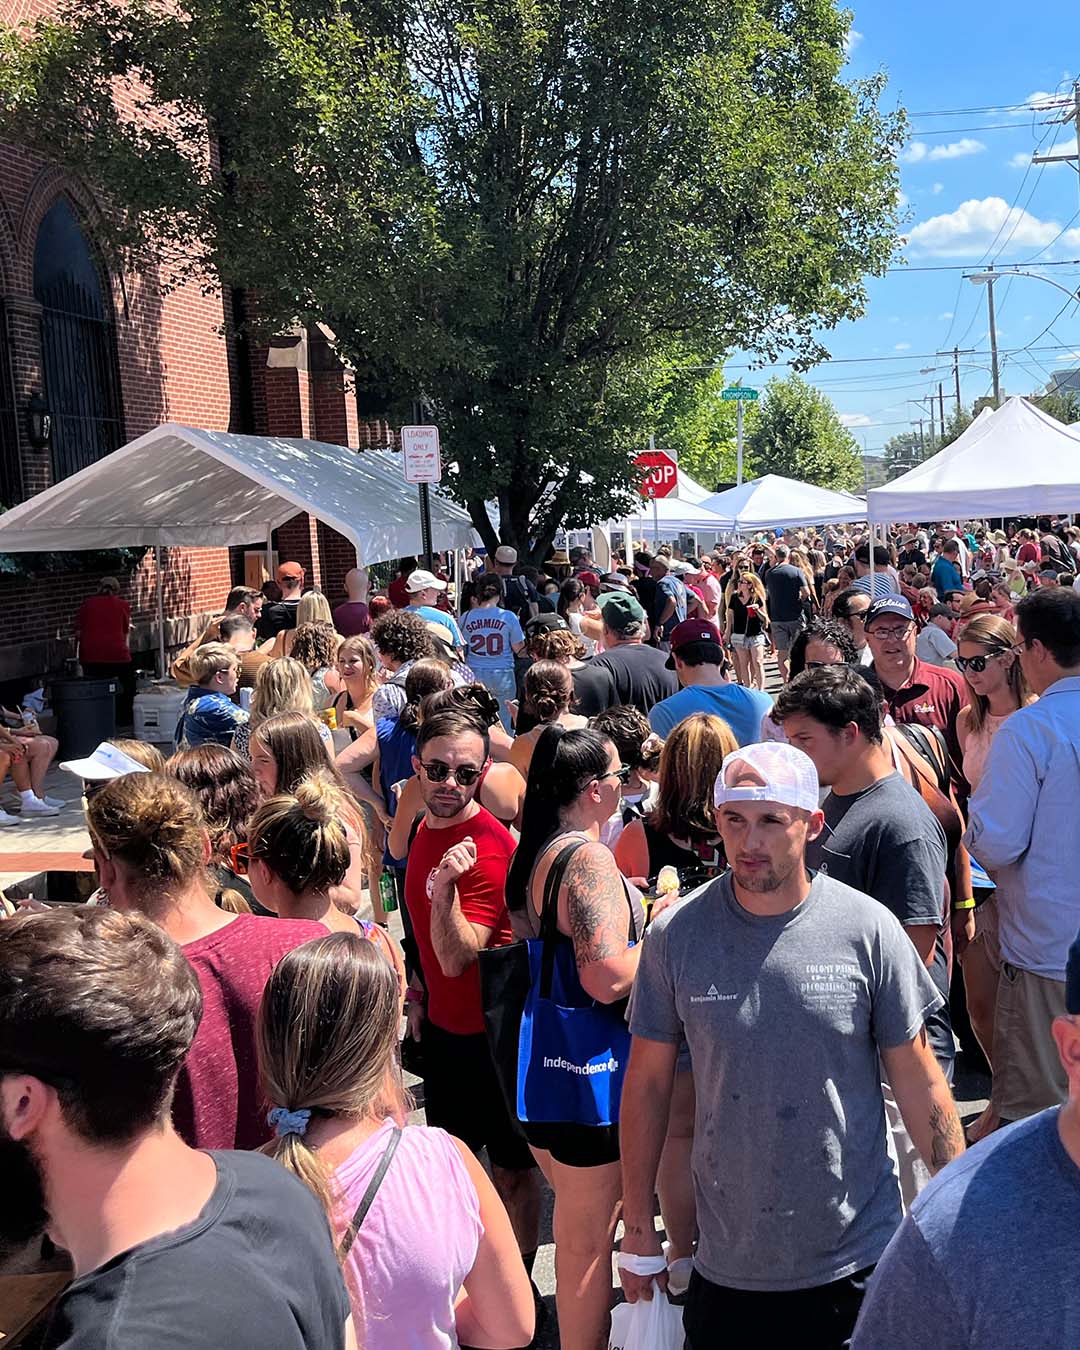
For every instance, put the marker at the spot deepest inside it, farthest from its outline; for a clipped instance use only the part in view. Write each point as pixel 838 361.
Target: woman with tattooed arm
pixel 574 786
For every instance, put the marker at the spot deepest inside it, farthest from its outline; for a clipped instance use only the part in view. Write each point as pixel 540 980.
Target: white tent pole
pixel 270 552
pixel 160 588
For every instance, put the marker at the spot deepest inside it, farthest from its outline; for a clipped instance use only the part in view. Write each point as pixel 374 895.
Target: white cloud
pixel 1068 356
pixel 1020 160
pixel 972 228
pixel 851 43
pixel 902 347
pixel 855 420
pixel 1041 101
pixel 937 188
pixel 918 151
pixel 948 314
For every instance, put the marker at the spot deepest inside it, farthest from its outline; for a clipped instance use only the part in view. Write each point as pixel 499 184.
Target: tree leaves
pixel 799 435
pixel 516 209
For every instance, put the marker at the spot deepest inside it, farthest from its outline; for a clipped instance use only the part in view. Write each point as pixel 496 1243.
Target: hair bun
pixel 318 798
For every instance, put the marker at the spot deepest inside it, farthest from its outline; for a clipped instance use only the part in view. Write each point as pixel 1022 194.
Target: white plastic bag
pixel 656 1325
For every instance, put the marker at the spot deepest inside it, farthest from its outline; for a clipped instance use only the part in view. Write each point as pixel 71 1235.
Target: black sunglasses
pixel 622 774
pixel 464 775
pixel 978 663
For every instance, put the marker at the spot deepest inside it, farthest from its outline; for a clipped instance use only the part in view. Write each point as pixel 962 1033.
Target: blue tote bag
pixel 572 1051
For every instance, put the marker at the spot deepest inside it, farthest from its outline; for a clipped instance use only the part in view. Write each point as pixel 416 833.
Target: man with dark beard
pixel 454 891
pixel 788 986
pixel 172 1247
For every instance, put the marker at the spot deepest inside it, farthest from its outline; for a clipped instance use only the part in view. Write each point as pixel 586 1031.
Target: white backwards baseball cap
pixel 777 773
pixel 107 761
pixel 423 581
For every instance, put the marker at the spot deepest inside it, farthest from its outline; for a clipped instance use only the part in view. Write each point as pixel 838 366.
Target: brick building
pixel 113 355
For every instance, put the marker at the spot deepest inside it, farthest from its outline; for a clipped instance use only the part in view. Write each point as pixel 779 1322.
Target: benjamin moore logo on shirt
pixel 713 995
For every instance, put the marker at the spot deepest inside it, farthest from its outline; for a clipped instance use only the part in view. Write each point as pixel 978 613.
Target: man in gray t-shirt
pixel 879 836
pixel 788 991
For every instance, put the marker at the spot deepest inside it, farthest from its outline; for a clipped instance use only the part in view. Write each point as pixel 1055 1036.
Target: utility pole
pixel 993 337
pixel 931 421
pixel 956 354
pixel 941 407
pixel 1072 115
pixel 922 442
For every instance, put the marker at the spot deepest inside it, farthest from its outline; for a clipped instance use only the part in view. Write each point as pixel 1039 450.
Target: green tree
pixel 696 421
pixel 1064 405
pixel 798 434
pixel 903 452
pixel 512 210
pixel 958 422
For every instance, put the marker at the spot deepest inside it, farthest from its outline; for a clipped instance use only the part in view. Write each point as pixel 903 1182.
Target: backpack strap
pixel 369 1195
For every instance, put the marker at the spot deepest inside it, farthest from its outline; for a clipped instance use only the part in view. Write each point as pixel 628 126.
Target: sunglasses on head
pixel 978 663
pixel 465 775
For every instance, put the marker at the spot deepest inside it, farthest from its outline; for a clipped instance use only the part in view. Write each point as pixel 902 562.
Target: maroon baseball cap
pixel 689 633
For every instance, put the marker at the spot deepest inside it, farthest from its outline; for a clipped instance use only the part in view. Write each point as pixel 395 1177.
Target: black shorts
pixel 463 1097
pixel 821 1318
pixel 575 1145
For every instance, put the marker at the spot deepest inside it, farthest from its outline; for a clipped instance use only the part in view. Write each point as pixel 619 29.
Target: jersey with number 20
pixel 489 633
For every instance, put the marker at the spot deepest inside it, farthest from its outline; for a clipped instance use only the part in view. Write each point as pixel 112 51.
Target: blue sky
pixel 971 198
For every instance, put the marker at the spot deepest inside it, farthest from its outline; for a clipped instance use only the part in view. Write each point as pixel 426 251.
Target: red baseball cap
pixel 590 579
pixel 690 632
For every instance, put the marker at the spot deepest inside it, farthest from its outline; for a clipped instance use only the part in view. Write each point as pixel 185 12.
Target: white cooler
pixel 157 712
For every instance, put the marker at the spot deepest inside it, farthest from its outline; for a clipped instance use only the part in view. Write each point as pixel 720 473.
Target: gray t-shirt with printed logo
pixel 784 1017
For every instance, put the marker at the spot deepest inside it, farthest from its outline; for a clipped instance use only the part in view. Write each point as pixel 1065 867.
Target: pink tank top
pixel 977 747
pixel 417 1243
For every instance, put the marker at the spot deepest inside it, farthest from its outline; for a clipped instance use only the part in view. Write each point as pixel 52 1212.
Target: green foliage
pixel 798 434
pixel 904 451
pixel 1064 405
pixel 958 422
pixel 695 421
pixel 515 210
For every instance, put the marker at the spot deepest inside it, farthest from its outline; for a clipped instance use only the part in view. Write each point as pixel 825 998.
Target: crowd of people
pixel 670 945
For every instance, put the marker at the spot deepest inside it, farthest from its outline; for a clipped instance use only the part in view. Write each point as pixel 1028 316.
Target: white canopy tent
pixel 683 514
pixel 772 500
pixel 1015 461
pixel 183 486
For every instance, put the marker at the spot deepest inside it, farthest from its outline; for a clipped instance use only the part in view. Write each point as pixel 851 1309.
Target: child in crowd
pixel 209 713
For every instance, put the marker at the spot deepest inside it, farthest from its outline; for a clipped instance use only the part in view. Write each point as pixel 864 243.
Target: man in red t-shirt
pixel 454 892
pixel 914 691
pixel 103 625
pixel 399 596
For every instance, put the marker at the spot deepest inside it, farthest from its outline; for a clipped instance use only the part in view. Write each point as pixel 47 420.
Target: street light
pixel 38 422
pixel 987 279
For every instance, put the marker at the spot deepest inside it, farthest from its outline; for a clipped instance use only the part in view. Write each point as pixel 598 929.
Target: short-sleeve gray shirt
pixel 784 1017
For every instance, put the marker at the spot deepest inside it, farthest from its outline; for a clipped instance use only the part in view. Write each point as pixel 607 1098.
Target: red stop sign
pixel 659 473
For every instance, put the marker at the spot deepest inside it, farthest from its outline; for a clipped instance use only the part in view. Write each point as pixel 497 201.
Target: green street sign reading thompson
pixel 739 394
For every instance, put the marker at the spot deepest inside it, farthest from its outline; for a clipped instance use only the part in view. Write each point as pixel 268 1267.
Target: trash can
pixel 85 714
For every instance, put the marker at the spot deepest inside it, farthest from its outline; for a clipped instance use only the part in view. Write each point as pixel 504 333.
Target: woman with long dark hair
pixel 227 791
pixel 573 788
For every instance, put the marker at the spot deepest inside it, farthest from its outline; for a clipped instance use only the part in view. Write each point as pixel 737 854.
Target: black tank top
pixel 693 866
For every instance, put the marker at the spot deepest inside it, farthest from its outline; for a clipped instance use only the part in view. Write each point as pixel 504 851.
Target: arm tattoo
pixel 946 1135
pixel 596 905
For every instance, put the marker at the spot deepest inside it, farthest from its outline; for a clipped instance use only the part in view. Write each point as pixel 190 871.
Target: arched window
pixel 82 384
pixel 10 477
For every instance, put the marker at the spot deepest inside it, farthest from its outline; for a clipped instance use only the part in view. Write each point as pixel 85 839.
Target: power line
pixel 1026 106
pixel 966 267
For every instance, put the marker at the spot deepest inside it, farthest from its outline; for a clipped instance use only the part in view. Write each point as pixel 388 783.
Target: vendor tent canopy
pixel 771 500
pixel 683 514
pixel 1017 461
pixel 182 486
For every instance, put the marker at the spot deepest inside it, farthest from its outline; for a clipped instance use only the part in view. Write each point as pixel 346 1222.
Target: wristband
pixel 642 1265
pixel 964 904
pixel 414 995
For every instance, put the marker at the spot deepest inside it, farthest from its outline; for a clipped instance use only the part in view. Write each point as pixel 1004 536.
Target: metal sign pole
pixel 160 588
pixel 425 524
pixel 738 443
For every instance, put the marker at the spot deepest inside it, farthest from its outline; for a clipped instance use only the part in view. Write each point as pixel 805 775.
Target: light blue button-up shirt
pixel 1025 829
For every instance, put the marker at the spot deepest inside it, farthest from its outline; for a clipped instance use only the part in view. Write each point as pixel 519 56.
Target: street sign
pixel 660 473
pixel 420 454
pixel 739 394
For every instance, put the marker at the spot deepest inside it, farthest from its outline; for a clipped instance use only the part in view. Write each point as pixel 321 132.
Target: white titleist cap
pixel 107 761
pixel 768 772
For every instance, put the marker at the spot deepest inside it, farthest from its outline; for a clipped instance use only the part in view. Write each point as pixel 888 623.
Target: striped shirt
pixel 877 585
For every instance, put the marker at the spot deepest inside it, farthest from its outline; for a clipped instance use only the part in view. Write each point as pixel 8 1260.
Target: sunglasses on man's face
pixel 978 663
pixel 465 775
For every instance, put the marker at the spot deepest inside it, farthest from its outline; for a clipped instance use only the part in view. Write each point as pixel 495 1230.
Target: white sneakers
pixel 8 819
pixel 58 802
pixel 36 806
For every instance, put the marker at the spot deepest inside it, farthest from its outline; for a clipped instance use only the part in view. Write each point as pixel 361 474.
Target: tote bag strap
pixel 369 1195
pixel 549 913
